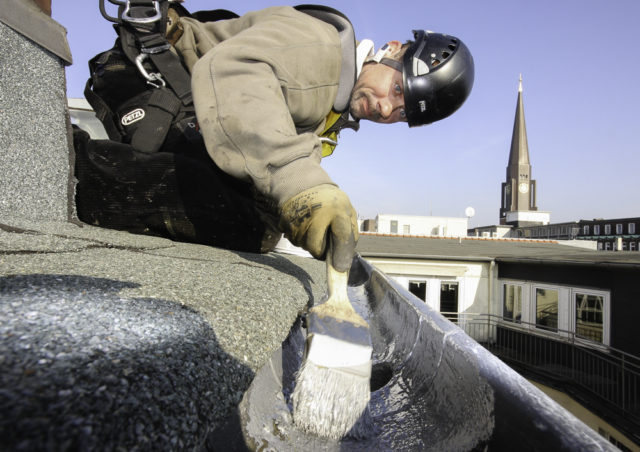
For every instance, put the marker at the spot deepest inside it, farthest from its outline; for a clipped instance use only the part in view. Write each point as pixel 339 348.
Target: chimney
pixel 36 177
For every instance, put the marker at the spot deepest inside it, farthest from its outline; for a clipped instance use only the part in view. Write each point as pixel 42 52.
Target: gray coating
pixel 433 389
pixel 115 341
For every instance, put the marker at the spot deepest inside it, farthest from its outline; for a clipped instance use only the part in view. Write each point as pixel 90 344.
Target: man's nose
pixel 386 108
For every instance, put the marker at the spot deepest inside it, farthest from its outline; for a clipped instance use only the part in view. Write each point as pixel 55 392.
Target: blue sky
pixel 580 64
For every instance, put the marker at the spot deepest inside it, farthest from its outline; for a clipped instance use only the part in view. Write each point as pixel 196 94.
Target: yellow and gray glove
pixel 307 218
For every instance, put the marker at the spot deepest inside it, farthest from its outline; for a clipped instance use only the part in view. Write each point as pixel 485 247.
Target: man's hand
pixel 308 218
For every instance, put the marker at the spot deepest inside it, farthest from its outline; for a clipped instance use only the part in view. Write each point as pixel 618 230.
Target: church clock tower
pixel 518 207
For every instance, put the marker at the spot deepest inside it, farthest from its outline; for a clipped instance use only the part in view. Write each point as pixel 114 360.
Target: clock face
pixel 523 187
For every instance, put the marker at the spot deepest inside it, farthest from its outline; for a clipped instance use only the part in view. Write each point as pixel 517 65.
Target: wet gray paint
pixel 427 390
pixel 433 389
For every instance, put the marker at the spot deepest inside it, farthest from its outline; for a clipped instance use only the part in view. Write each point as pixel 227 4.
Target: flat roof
pixel 487 249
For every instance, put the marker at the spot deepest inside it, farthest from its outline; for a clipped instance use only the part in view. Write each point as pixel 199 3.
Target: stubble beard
pixel 357 111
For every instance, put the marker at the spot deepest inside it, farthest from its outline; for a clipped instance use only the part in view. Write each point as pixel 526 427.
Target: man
pixel 272 89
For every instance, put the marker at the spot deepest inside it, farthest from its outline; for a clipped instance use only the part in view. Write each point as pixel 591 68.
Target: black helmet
pixel 437 71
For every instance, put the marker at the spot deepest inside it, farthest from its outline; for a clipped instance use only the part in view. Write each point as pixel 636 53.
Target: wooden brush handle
pixel 337 283
pixel 338 304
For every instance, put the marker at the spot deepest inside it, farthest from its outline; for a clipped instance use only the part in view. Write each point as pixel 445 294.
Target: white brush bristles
pixel 331 402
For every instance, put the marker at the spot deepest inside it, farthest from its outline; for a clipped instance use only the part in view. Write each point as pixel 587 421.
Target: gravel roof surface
pixel 113 340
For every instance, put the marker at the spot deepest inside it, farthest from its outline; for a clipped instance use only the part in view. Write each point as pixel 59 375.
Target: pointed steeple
pixel 519 154
pixel 519 190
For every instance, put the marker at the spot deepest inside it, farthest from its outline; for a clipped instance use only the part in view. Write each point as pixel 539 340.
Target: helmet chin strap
pixel 397 65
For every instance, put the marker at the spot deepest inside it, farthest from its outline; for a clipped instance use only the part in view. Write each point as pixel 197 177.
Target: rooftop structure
pixel 417 225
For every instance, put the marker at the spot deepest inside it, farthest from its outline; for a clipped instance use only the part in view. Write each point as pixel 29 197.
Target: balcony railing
pixel 590 369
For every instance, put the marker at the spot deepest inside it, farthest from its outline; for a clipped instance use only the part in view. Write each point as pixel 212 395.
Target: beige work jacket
pixel 263 85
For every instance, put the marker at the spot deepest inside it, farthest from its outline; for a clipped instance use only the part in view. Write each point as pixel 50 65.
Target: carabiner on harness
pixel 329 141
pixel 155 78
pixel 142 20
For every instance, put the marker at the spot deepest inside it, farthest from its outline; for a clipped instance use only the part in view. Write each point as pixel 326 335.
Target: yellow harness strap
pixel 327 148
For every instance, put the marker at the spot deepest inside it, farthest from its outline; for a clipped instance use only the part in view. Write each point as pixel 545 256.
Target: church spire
pixel 519 154
pixel 519 190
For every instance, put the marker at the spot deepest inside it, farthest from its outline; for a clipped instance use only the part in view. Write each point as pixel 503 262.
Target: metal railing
pixel 588 368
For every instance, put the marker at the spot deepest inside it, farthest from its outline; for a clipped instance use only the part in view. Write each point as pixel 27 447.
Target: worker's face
pixel 378 93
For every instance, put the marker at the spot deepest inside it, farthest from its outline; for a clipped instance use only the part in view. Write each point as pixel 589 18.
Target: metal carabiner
pixel 142 20
pixel 155 78
pixel 328 141
pixel 103 11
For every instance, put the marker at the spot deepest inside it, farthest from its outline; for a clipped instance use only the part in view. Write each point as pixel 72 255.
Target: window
pixel 632 228
pixel 632 246
pixel 449 299
pixel 589 316
pixel 512 303
pixel 596 229
pixel 607 246
pixel 562 311
pixel 547 309
pixel 618 228
pixel 394 226
pixel 585 229
pixel 406 229
pixel 419 289
pixel 607 229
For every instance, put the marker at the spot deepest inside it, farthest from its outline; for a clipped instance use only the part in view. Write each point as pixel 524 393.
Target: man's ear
pixel 394 47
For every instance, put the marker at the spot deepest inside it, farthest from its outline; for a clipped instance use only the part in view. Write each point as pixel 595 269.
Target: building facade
pixel 622 234
pixel 619 234
pixel 394 224
pixel 563 316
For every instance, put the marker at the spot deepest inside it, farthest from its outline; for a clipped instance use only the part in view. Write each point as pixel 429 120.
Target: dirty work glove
pixel 307 218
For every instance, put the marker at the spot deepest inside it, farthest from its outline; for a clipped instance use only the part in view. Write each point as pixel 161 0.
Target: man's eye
pixel 398 89
pixel 403 114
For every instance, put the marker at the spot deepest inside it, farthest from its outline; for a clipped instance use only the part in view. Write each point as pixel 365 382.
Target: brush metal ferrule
pixel 334 343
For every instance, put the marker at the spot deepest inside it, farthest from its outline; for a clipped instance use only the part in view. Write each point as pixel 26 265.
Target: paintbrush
pixel 332 390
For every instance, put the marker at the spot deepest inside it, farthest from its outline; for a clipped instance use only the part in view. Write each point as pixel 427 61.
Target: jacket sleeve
pixel 261 93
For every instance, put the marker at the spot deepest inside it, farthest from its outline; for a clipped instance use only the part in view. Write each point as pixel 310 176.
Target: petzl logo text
pixel 132 116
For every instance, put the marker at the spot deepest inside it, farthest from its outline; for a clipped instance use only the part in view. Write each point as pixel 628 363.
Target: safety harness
pixel 141 91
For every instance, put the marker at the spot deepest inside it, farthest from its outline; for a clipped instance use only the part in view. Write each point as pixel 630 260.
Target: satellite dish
pixel 469 212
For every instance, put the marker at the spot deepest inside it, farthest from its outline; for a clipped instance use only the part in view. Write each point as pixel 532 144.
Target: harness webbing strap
pixel 169 66
pixel 164 103
pixel 102 112
pixel 163 106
